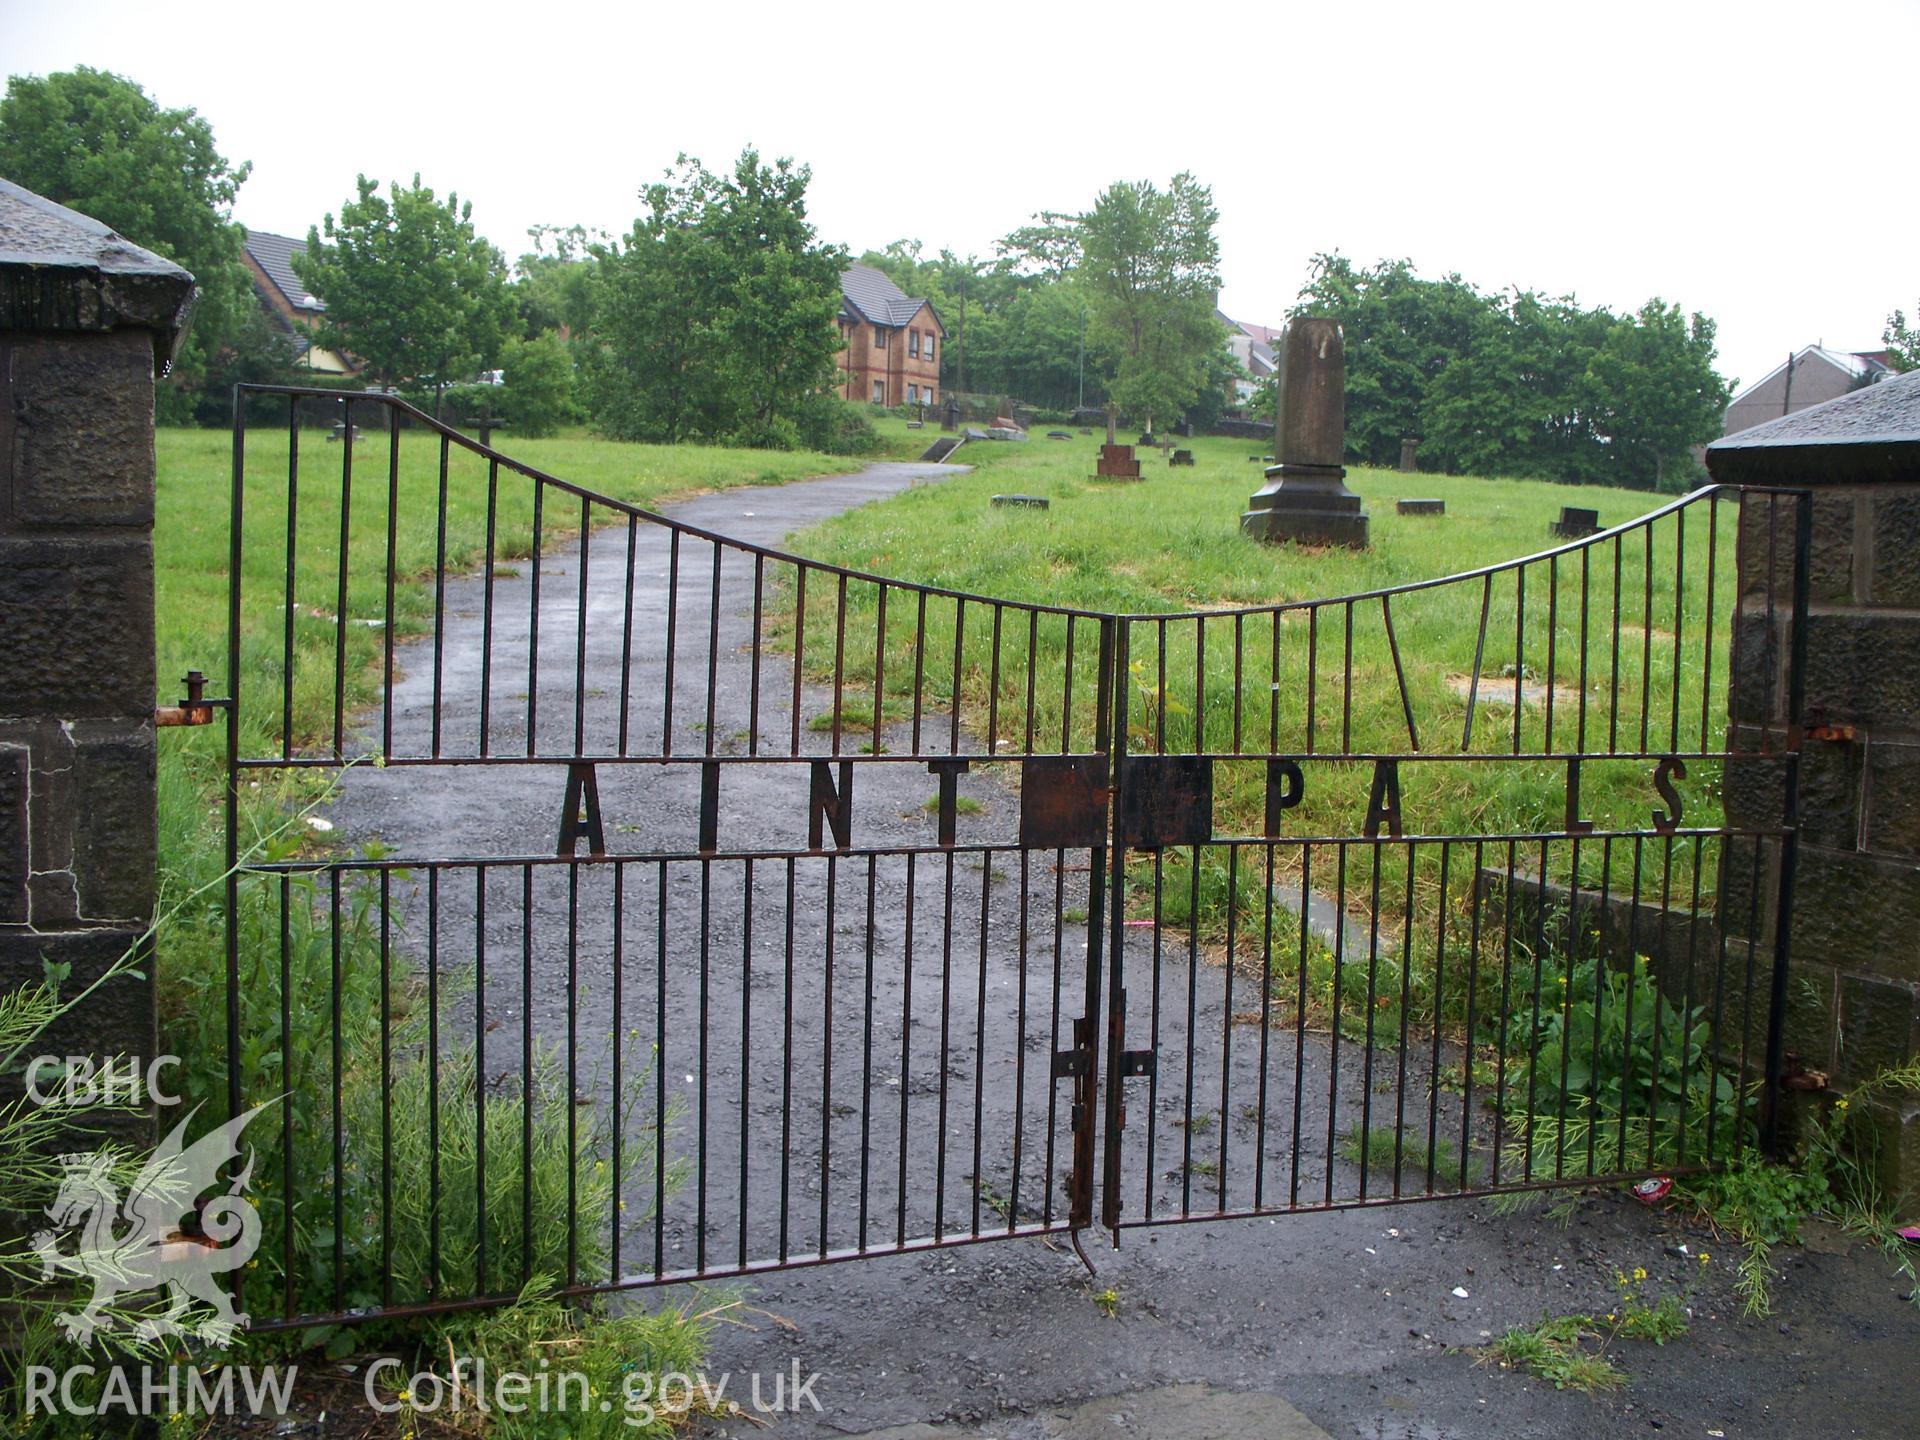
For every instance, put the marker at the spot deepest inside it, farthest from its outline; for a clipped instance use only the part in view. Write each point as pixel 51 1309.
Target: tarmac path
pixel 857 1050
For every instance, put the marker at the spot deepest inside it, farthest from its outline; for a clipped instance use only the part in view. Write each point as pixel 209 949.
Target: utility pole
pixel 963 323
pixel 1081 364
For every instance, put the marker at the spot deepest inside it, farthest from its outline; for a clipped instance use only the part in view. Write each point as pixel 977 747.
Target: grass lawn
pixel 191 559
pixel 1278 678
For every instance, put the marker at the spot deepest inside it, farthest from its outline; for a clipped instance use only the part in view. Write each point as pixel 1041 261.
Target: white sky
pixel 1743 159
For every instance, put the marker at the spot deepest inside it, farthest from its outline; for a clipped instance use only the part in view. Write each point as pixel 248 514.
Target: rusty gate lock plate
pixel 1165 800
pixel 1063 802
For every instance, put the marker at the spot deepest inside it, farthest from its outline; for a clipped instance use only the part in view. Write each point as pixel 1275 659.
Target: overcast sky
pixel 1747 160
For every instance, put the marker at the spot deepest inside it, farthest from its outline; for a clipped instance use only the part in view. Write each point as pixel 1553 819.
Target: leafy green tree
pixel 714 319
pixel 1150 268
pixel 1902 341
pixel 97 142
pixel 1517 383
pixel 409 287
pixel 1400 332
pixel 537 396
pixel 554 287
pixel 1510 402
pixel 1652 391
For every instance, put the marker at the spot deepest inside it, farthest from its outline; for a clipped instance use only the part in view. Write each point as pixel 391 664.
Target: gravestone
pixel 1022 502
pixel 1409 453
pixel 1306 498
pixel 1180 457
pixel 950 417
pixel 1421 507
pixel 1116 462
pixel 1575 523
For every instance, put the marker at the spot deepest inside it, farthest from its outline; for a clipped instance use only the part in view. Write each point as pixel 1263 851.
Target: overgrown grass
pixel 375 1169
pixel 1279 681
pixel 1384 1148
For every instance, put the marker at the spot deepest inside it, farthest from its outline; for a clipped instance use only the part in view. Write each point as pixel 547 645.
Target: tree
pixel 1653 390
pixel 1515 383
pixel 715 319
pixel 1902 341
pixel 409 287
pixel 1150 268
pixel 1400 332
pixel 1510 402
pixel 99 143
pixel 555 290
pixel 537 396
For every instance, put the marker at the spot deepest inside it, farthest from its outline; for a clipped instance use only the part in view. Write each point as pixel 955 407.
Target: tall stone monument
pixel 1306 497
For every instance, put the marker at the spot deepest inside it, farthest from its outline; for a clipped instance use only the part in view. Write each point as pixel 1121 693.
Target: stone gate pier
pixel 87 322
pixel 1852 997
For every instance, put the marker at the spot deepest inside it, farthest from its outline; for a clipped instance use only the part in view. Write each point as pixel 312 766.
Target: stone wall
pixel 85 320
pixel 1853 976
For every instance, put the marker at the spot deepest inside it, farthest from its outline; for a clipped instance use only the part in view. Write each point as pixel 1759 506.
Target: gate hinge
pixel 194 707
pixel 1136 1062
pixel 1069 1063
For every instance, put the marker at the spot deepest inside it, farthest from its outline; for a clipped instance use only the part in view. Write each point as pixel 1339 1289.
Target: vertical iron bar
pixel 626 637
pixel 486 609
pixel 1790 841
pixel 340 599
pixel 386 625
pixel 673 646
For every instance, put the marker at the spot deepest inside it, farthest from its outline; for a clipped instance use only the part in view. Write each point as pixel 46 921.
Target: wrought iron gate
pixel 700 910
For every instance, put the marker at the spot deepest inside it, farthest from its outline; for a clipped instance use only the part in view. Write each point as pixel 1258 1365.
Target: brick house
pixel 1812 376
pixel 892 342
pixel 290 309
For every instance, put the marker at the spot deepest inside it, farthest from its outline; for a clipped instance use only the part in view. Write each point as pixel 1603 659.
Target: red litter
pixel 1649 1191
pixel 1909 1233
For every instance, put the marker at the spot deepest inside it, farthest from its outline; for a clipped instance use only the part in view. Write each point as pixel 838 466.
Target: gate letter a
pixel 583 785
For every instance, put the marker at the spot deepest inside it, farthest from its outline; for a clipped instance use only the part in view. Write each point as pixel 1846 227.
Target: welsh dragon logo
pixel 136 1244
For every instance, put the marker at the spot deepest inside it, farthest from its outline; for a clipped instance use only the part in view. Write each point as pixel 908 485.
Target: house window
pixel 913 344
pixel 913 394
pixel 928 352
pixel 879 392
pixel 879 338
pixel 929 395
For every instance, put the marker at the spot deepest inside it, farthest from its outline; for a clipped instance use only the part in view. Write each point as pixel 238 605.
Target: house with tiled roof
pixel 1808 377
pixel 290 309
pixel 891 342
pixel 1254 347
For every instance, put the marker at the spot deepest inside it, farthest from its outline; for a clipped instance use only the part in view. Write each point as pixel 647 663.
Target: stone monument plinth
pixel 1306 498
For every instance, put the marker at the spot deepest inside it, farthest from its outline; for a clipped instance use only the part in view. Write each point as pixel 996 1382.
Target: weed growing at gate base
pixel 1571 1352
pixel 1835 1174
